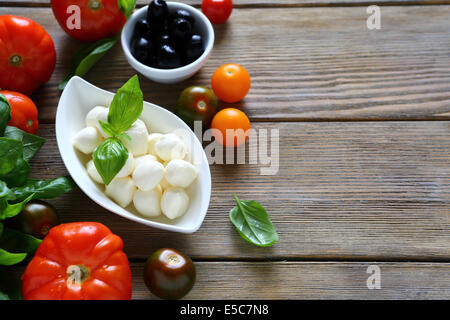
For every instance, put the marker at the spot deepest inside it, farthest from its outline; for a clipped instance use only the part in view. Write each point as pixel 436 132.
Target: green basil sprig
pixel 253 223
pixel 5 113
pixel 126 107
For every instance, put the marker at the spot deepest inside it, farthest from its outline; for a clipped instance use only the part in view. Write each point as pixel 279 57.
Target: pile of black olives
pixel 166 39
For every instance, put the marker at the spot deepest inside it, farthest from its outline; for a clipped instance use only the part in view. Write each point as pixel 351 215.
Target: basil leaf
pixel 86 57
pixel 109 158
pixel 126 6
pixel 108 129
pixel 9 259
pixel 253 223
pixel 5 192
pixel 44 189
pixel 11 150
pixel 10 285
pixel 5 113
pixel 126 106
pixel 31 143
pixel 12 210
pixel 13 240
pixel 18 175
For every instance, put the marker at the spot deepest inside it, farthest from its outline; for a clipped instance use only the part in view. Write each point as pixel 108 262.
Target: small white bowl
pixel 169 75
pixel 78 98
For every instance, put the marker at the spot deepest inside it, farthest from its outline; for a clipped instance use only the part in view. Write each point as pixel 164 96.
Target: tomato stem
pixel 95 4
pixel 77 274
pixel 15 60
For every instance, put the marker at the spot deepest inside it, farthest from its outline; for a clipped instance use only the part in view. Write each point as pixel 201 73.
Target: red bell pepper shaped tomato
pixel 24 114
pixel 27 54
pixel 97 19
pixel 78 261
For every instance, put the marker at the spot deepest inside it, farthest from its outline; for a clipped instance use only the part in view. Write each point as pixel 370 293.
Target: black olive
pixel 180 29
pixel 194 48
pixel 168 57
pixel 157 11
pixel 142 49
pixel 182 13
pixel 141 28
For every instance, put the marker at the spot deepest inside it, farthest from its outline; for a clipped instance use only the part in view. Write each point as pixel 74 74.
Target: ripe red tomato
pixel 217 11
pixel 231 122
pixel 78 261
pixel 97 18
pixel 27 54
pixel 231 82
pixel 24 114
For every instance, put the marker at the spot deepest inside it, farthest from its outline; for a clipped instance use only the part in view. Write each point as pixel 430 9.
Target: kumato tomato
pixel 231 127
pixel 97 19
pixel 169 274
pixel 36 218
pixel 27 54
pixel 217 11
pixel 196 104
pixel 231 82
pixel 24 114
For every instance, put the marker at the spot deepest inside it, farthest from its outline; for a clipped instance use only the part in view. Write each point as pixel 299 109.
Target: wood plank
pixel 306 64
pixel 310 280
pixel 362 190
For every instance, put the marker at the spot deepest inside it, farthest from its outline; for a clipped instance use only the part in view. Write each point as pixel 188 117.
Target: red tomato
pixel 217 11
pixel 24 114
pixel 78 261
pixel 97 18
pixel 27 54
pixel 231 127
pixel 231 82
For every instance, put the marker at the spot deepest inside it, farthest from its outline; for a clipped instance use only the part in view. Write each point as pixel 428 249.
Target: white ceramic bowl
pixel 169 75
pixel 78 98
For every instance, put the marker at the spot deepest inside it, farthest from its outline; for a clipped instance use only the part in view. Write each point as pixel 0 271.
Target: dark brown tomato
pixel 36 218
pixel 169 274
pixel 196 103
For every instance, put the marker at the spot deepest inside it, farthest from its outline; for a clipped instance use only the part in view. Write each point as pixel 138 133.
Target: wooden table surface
pixel 364 174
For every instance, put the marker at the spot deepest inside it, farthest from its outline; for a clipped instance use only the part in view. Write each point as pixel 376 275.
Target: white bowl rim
pixel 131 216
pixel 174 71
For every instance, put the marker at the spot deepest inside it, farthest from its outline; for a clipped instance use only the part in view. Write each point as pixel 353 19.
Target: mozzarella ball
pixel 96 114
pixel 87 139
pixel 153 138
pixel 140 159
pixel 170 147
pixel 121 190
pixel 180 173
pixel 138 133
pixel 148 174
pixel 147 202
pixel 174 202
pixel 127 167
pixel 93 173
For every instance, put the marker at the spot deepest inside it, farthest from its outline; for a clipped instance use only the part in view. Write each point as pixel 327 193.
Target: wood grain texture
pixel 306 64
pixel 310 280
pixel 348 191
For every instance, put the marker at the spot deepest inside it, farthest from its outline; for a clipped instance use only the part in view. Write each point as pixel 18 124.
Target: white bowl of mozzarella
pixel 165 182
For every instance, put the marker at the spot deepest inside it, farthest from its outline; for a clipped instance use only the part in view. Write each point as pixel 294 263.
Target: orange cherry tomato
pixel 231 127
pixel 24 114
pixel 231 83
pixel 78 261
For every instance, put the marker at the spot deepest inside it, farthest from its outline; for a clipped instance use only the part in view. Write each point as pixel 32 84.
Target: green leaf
pixel 43 189
pixel 13 210
pixel 126 6
pixel 16 241
pixel 5 113
pixel 31 143
pixel 9 259
pixel 108 129
pixel 109 158
pixel 126 106
pixel 253 223
pixel 10 285
pixel 11 150
pixel 5 192
pixel 18 175
pixel 86 57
